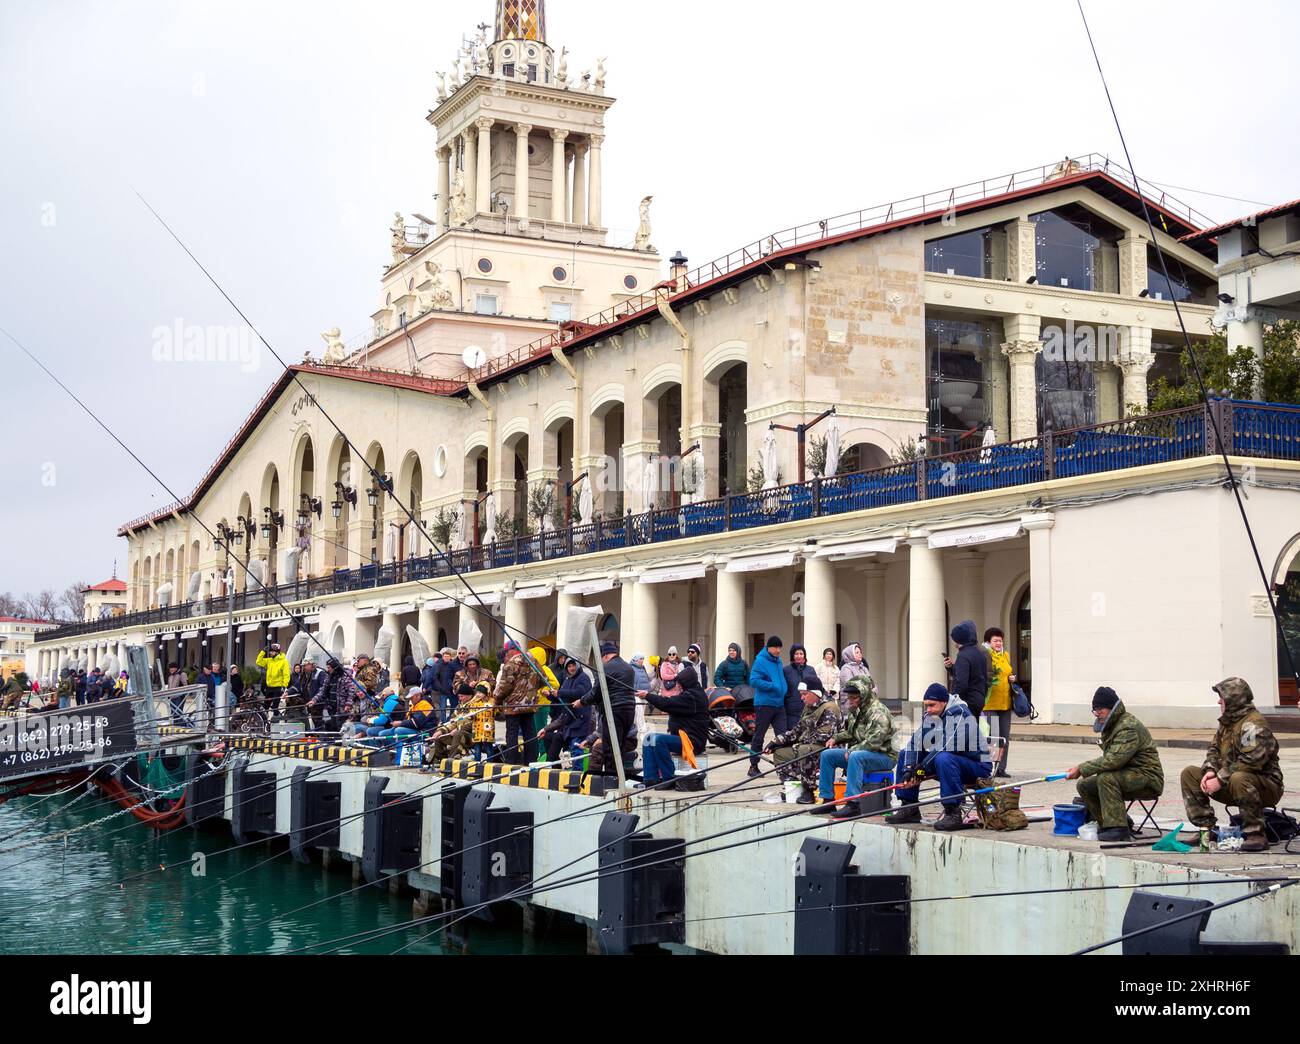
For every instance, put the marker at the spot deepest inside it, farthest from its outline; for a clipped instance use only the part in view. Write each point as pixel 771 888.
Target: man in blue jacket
pixel 949 747
pixel 767 678
pixel 970 671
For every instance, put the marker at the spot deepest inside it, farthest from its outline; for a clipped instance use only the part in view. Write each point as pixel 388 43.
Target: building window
pixel 484 265
pixel 485 304
pixel 1076 249
pixel 1182 284
pixel 630 282
pixel 560 313
pixel 980 253
pixel 508 70
pixel 958 355
pixel 532 74
pixel 1067 392
pixel 559 274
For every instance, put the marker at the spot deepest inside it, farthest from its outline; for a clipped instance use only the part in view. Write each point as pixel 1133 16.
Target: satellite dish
pixel 474 357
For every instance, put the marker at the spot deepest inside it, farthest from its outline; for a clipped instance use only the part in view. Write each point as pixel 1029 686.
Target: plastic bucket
pixel 840 786
pixel 1068 819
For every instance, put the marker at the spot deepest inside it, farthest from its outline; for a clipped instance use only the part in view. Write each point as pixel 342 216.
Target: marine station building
pixel 579 423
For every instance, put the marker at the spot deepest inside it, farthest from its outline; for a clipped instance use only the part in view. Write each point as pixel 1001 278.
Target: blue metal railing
pixel 1250 429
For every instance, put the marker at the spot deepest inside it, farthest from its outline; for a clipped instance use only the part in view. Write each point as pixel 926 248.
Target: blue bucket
pixel 1068 819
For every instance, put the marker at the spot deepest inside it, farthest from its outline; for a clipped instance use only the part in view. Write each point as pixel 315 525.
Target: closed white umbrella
pixel 651 482
pixel 384 646
pixel 586 503
pixel 769 461
pixel 990 440
pixel 419 647
pixel 292 558
pixel 165 594
pixel 470 635
pixel 196 581
pixel 490 535
pixel 390 543
pixel 298 648
pixel 834 446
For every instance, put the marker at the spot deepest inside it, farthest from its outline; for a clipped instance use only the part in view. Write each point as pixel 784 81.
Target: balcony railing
pixel 1248 429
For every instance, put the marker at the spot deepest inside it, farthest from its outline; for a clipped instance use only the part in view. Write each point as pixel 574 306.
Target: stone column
pixel 558 175
pixel 1132 265
pixel 1248 333
pixel 971 566
pixel 1021 349
pixel 393 623
pixel 580 187
pixel 999 407
pixel 467 615
pixel 516 620
pixel 818 606
pixel 522 131
pixel 1039 528
pixel 1105 377
pixel 927 635
pixel 483 191
pixel 1135 362
pixel 428 628
pixel 628 638
pixel 645 610
pixel 471 174
pixel 730 626
pixel 594 209
pixel 1022 255
pixel 442 215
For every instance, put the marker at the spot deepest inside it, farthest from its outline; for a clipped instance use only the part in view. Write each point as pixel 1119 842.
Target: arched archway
pixel 1022 639
pixel 863 456
pixel 1286 592
pixel 304 492
pixel 270 522
pixel 410 492
pixel 515 467
pixel 662 425
pixel 376 498
pixel 608 427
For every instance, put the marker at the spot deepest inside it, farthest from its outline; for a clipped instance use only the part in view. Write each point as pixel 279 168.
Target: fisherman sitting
pixel 864 744
pixel 1240 768
pixel 390 704
pixel 1129 767
pixel 949 747
pixel 449 740
pixel 795 753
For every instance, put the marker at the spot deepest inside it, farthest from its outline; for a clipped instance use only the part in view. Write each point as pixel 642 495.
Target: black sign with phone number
pixel 61 739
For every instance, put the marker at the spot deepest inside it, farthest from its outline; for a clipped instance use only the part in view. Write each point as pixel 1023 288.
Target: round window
pixel 484 265
pixel 559 274
pixel 508 52
pixel 440 462
pixel 630 282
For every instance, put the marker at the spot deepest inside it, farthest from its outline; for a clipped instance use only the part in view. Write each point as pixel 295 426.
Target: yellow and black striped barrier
pixel 366 757
pixel 179 730
pixel 566 780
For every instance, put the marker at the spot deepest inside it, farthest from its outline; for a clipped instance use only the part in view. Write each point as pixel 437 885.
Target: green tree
pixel 1233 371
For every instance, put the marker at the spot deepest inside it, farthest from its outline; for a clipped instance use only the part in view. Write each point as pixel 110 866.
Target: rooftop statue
pixel 335 353
pixel 643 230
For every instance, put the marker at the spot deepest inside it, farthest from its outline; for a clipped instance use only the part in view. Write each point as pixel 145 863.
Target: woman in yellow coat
pixel 997 706
pixel 546 691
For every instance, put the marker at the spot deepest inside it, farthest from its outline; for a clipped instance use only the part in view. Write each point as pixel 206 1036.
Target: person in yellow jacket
pixel 483 728
pixel 997 705
pixel 276 664
pixel 545 692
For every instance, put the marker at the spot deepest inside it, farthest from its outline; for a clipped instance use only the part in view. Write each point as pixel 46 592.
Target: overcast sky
pixel 278 139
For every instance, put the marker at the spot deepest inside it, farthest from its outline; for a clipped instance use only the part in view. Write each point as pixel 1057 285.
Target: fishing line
pixel 1203 912
pixel 376 476
pixel 958 898
pixel 1211 414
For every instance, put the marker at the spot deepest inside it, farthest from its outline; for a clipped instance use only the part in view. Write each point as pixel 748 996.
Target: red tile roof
pixel 1201 235
pixel 113 586
pixel 23 619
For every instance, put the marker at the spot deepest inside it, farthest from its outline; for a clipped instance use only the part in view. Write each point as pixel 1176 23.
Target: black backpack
pixel 1278 826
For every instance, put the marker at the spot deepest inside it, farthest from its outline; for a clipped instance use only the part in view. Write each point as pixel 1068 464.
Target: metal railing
pixel 1251 429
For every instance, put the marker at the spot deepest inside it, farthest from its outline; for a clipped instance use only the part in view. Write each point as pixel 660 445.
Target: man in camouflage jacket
pixel 1240 767
pixel 864 744
pixel 795 753
pixel 516 698
pixel 1129 767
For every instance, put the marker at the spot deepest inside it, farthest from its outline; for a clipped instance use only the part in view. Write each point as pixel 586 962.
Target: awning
pixel 249 628
pixel 758 563
pixel 591 587
pixel 857 549
pixel 438 604
pixel 526 594
pixel 404 607
pixel 671 574
pixel 186 635
pixel 166 637
pixel 368 612
pixel 282 622
pixel 971 535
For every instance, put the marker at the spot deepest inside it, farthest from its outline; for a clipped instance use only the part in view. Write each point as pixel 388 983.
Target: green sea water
pixel 101 891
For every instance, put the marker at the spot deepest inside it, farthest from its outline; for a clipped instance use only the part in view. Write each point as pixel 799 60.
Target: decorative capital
pixel 1136 363
pixel 523 129
pixel 484 124
pixel 597 140
pixel 1021 349
pixel 559 135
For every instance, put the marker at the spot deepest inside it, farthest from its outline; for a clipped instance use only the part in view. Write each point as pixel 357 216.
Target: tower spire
pixel 521 20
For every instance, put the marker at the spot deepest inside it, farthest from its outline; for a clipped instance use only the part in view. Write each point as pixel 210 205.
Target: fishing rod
pixel 958 898
pixel 1196 366
pixel 381 480
pixel 639 863
pixel 532 889
pixel 1272 889
pixel 617 799
pixel 577 814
